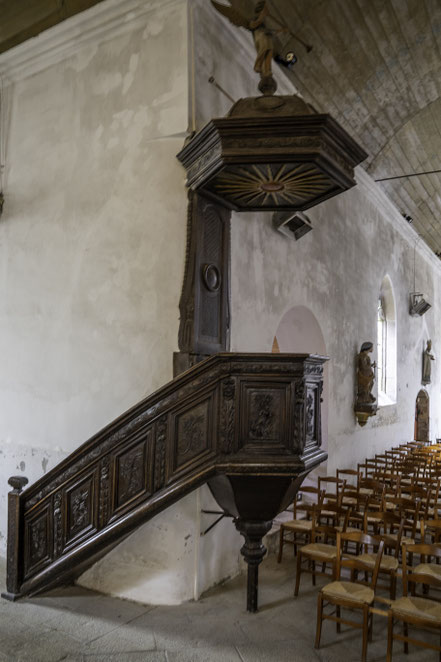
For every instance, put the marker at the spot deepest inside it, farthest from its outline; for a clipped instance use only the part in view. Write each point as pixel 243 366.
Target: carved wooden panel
pixel 204 304
pixel 133 471
pixel 264 409
pixel 312 418
pixel 81 508
pixel 227 427
pixel 193 435
pixel 37 540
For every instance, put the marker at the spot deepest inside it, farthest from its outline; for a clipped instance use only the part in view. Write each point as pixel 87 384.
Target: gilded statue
pixel 365 374
pixel 427 365
pixel 264 28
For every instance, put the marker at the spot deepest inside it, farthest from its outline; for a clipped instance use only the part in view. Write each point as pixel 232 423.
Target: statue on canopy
pixel 264 28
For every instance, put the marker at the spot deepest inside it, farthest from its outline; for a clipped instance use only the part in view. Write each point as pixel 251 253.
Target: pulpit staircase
pixel 248 424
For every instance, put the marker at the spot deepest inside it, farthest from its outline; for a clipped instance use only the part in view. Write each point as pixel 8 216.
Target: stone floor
pixel 76 625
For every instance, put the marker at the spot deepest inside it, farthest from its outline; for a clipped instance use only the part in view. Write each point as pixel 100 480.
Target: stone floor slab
pixel 144 656
pixel 287 651
pixel 78 625
pixel 220 654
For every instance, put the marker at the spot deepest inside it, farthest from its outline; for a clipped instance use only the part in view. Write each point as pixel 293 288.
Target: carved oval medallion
pixel 272 187
pixel 211 277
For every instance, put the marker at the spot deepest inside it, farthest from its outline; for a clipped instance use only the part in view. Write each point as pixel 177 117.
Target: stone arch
pixel 299 332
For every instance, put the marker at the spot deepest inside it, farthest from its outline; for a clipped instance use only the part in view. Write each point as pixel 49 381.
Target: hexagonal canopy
pixel 264 157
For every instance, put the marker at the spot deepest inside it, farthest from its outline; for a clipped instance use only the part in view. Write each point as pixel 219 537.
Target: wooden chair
pixel 412 610
pixel 388 528
pixel 326 483
pixel 300 526
pixel 351 476
pixel 370 487
pixel 320 550
pixel 367 468
pixel 409 512
pixel 431 528
pixel 350 595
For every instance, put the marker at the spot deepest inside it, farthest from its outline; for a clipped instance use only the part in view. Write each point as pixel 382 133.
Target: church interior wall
pixel 336 271
pixel 92 247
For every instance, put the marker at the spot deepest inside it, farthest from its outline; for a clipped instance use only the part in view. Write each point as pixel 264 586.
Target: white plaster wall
pixel 336 270
pixel 92 247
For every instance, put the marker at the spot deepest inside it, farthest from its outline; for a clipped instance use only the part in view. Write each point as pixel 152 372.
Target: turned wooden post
pixel 253 552
pixel 13 567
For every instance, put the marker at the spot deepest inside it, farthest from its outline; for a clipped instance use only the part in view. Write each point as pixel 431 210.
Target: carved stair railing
pixel 248 424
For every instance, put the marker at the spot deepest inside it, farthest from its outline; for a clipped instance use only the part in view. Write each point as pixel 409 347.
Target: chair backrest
pixel 431 526
pixel 369 483
pixel 419 578
pixel 342 473
pixel 328 511
pixel 326 482
pixel 352 561
pixel 308 506
pixel 387 526
pixel 367 468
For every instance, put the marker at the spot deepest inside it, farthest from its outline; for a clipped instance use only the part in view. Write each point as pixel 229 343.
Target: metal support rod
pixel 214 82
pixel 213 512
pixel 412 174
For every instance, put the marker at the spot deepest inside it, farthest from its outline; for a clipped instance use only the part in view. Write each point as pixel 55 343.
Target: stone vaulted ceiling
pixel 23 19
pixel 376 67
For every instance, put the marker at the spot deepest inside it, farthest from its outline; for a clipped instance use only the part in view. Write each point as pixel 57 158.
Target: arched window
pixel 386 345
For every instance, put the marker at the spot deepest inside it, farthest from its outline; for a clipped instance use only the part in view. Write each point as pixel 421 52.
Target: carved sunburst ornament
pixel 270 186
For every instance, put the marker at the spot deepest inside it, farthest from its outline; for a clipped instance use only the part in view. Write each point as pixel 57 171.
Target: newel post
pixel 13 569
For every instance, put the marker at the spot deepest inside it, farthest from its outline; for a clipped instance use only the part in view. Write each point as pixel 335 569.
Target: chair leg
pixel 393 586
pixel 313 573
pixel 298 573
pixel 390 636
pixel 365 633
pixel 279 558
pixel 406 634
pixel 337 613
pixel 371 626
pixel 319 620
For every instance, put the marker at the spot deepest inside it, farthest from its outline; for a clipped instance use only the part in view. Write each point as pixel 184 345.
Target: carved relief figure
pixel 310 418
pixel 131 474
pixel 38 545
pixel 263 417
pixel 365 375
pixel 80 510
pixel 427 366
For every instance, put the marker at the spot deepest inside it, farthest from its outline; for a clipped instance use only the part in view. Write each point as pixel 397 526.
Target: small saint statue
pixel 364 403
pixel 427 366
pixel 365 375
pixel 264 28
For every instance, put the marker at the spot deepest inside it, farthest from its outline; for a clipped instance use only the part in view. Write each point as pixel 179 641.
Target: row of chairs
pixel 373 521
